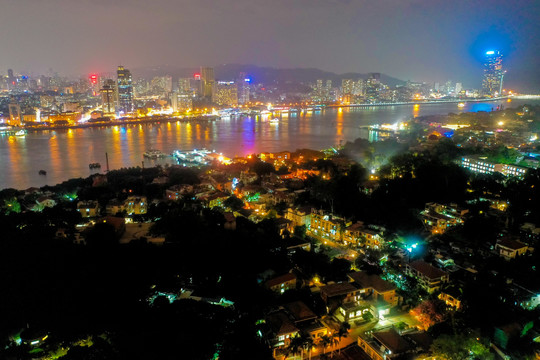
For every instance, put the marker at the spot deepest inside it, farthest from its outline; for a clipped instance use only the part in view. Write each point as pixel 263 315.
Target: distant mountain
pixel 260 74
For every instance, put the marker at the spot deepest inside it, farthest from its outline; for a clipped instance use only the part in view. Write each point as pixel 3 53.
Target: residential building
pixel 177 191
pixel 327 226
pixel 45 201
pixel 340 293
pixel 282 283
pixel 451 297
pixel 88 208
pixel 114 207
pixel 372 238
pixel 372 294
pixel 429 277
pixel 372 285
pixel 510 249
pixel 389 344
pixel 300 216
pixel 352 233
pixel 438 218
pixel 217 199
pixel 136 205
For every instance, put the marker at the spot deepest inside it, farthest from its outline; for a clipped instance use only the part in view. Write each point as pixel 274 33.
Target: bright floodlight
pixel 491 52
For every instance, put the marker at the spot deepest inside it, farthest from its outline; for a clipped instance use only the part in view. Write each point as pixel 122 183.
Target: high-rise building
pixel 373 87
pixel 207 83
pixel 458 89
pixel 11 80
pixel 15 117
pixel 243 88
pixel 162 84
pixel 108 97
pixel 493 73
pixel 125 90
pixel 359 88
pixel 347 86
pixel 181 102
pixel 184 86
pixel 226 93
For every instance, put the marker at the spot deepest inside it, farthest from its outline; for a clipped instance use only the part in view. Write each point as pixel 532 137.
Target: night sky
pixel 431 40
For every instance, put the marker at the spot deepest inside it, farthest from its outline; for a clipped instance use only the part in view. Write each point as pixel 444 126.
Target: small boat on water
pixel 154 154
pixel 95 165
pixel 460 105
pixel 21 132
pixel 42 172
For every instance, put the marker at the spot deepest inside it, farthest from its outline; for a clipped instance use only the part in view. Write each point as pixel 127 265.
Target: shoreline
pixel 206 119
pixel 427 102
pixel 202 119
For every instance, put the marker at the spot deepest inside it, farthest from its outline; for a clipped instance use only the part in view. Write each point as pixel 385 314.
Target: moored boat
pixel 153 154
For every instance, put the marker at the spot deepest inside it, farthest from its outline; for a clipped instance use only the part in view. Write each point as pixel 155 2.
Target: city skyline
pixel 408 40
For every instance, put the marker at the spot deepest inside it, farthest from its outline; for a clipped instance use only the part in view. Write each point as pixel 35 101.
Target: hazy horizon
pixel 430 41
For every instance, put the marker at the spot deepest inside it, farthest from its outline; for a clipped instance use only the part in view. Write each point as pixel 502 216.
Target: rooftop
pixel 366 280
pixel 280 323
pixel 280 279
pixel 511 244
pixel 427 269
pixel 338 289
pixel 300 311
pixel 392 341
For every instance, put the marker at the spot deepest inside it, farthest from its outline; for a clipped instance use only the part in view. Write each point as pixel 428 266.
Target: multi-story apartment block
pixel 429 277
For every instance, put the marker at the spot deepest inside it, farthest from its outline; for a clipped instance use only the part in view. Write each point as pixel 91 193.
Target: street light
pixel 410 250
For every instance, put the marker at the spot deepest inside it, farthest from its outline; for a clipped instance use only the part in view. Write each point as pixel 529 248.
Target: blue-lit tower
pixel 125 91
pixel 493 73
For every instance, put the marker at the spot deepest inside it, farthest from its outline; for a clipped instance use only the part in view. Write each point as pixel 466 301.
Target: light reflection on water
pixel 65 154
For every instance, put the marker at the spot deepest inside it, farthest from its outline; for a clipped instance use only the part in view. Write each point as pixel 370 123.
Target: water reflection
pixel 66 154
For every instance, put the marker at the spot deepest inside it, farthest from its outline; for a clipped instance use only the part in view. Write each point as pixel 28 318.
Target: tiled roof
pixel 511 244
pixel 393 341
pixel 427 269
pixel 338 289
pixel 366 280
pixel 300 311
pixel 280 279
pixel 280 323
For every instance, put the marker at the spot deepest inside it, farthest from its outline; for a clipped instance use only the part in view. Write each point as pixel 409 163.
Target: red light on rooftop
pixel 197 76
pixel 93 78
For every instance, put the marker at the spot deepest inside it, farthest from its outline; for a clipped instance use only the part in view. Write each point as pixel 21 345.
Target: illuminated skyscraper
pixel 243 88
pixel 207 83
pixel 184 86
pixel 108 97
pixel 125 90
pixel 493 73
pixel 226 93
pixel 373 87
